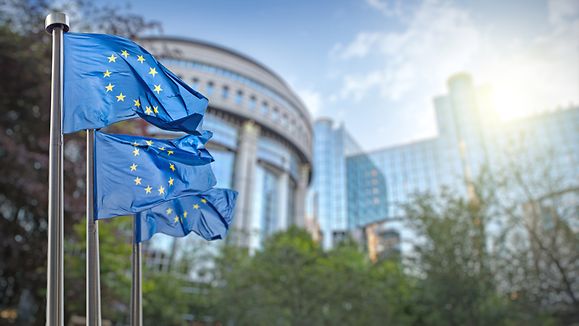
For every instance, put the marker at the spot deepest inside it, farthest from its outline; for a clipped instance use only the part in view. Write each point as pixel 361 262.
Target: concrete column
pixel 283 195
pixel 245 165
pixel 300 201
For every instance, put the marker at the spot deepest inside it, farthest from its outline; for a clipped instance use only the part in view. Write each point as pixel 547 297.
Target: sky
pixel 376 65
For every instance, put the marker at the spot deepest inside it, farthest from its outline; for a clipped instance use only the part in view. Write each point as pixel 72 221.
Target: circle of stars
pixel 120 96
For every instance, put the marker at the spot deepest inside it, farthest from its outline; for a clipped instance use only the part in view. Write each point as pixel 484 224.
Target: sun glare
pixel 516 90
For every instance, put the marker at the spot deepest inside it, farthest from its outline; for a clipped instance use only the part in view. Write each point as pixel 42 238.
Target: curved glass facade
pixel 261 135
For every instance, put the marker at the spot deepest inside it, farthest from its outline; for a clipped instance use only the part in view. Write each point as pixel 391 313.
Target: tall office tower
pixel 328 193
pixel 470 136
pixel 545 149
pixel 466 123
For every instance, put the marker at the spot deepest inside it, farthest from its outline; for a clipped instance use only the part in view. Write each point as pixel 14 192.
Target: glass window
pixel 195 82
pixel 209 89
pixel 223 167
pixel 239 97
pixel 264 108
pixel 275 114
pixel 225 92
pixel 252 102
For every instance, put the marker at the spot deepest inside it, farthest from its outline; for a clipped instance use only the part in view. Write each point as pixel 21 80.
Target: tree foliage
pixel 291 281
pixel 25 62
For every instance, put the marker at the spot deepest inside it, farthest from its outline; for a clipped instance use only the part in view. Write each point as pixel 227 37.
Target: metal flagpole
pixel 93 281
pixel 55 24
pixel 136 291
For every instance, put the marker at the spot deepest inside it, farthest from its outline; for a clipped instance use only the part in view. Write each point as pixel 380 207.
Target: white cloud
pixel 440 39
pixel 360 47
pixel 387 7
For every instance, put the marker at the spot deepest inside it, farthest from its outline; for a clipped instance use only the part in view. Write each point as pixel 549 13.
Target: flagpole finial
pixel 56 19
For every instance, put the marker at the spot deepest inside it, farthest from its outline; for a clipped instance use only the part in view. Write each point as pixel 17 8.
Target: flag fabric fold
pixel 208 214
pixel 135 173
pixel 109 79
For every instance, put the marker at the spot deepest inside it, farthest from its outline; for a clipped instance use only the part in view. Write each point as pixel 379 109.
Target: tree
pixel 291 281
pixel 25 52
pixel 456 284
pixel 115 240
pixel 538 257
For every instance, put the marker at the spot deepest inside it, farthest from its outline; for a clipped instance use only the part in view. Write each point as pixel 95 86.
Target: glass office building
pixel 331 200
pixel 262 140
pixel 470 136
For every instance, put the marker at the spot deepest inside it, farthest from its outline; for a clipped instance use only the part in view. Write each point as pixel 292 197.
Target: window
pixel 225 93
pixel 239 98
pixel 209 89
pixel 195 82
pixel 264 108
pixel 252 102
pixel 275 114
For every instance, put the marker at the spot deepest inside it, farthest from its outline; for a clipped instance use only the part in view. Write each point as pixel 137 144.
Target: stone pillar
pixel 300 201
pixel 243 182
pixel 283 195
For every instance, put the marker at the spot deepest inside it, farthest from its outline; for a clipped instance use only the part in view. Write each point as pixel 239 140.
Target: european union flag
pixel 208 214
pixel 109 79
pixel 135 173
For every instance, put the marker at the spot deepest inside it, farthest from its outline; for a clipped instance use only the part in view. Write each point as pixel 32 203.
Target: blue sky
pixel 376 64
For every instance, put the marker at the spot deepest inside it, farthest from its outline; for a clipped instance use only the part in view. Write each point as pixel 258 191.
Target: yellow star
pixel 121 97
pixel 106 74
pixel 185 214
pixel 125 54
pixel 137 181
pixel 161 190
pixel 148 189
pixel 149 142
pixel 176 219
pixel 156 109
pixel 134 167
pixel 203 200
pixel 169 153
pixel 172 167
pixel 148 110
pixel 196 206
pixel 169 211
pixel 136 152
pixel 171 180
pixel 109 87
pixel 137 102
pixel 112 58
pixel 140 58
pixel 153 71
pixel 161 148
pixel 135 143
pixel 158 89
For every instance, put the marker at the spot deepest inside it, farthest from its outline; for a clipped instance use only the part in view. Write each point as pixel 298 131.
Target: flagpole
pixel 55 24
pixel 136 290
pixel 93 280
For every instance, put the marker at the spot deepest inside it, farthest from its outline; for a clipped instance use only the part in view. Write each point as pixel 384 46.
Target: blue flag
pixel 208 214
pixel 135 173
pixel 109 79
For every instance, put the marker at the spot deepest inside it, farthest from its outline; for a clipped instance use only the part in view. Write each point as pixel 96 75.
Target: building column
pixel 245 164
pixel 300 201
pixel 282 207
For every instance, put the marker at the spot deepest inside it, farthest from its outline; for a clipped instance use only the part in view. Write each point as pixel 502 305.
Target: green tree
pixel 291 281
pixel 456 284
pixel 25 61
pixel 115 265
